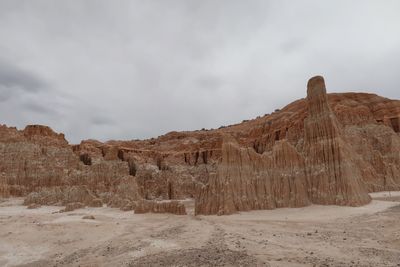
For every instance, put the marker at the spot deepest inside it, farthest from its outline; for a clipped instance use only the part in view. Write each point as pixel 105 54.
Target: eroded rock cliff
pixel 246 180
pixel 326 149
pixel 319 164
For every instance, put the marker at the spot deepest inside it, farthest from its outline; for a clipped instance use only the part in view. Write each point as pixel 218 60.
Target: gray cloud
pixel 5 93
pixel 18 79
pixel 39 108
pixel 292 45
pixel 15 81
pixel 101 120
pixel 137 69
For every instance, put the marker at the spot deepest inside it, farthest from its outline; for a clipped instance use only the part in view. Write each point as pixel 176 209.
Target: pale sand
pixel 309 236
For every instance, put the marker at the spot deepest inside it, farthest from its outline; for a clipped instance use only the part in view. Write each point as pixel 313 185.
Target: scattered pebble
pixel 89 217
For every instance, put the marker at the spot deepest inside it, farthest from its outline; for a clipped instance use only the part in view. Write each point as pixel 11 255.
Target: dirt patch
pixel 211 256
pixel 309 236
pixel 214 253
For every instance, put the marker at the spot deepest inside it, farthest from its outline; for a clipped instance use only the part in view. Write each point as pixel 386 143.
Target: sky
pixel 139 69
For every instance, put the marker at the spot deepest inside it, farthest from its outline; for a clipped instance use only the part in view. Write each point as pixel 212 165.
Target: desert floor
pixel 310 236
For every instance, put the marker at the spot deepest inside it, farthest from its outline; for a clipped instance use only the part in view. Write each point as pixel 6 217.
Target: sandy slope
pixel 315 235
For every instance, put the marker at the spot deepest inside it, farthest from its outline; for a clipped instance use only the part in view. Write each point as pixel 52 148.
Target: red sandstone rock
pixel 331 148
pixel 334 175
pixel 44 135
pixel 246 180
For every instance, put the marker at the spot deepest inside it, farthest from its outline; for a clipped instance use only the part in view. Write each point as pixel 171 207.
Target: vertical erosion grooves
pixel 333 174
pixel 246 180
pixel 325 172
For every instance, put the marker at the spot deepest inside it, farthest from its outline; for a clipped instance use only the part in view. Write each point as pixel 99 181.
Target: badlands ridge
pixel 324 149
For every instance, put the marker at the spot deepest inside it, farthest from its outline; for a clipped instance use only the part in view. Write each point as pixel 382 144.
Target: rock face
pixel 325 170
pixel 325 149
pixel 246 180
pixel 334 175
pixel 33 158
pixel 40 164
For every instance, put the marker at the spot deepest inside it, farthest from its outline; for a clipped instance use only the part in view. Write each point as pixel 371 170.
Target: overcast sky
pixel 138 69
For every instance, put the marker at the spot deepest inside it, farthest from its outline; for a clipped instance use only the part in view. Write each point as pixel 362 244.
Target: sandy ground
pixel 310 236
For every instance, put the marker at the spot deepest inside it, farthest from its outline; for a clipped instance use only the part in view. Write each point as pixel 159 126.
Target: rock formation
pixel 146 206
pixel 325 170
pixel 334 175
pixel 325 149
pixel 40 164
pixel 246 180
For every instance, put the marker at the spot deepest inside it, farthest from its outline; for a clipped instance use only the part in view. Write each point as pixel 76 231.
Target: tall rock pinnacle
pixel 316 95
pixel 333 175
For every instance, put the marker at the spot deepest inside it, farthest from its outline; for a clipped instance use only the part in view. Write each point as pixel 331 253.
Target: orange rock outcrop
pixel 324 170
pixel 325 149
pixel 333 172
pixel 246 180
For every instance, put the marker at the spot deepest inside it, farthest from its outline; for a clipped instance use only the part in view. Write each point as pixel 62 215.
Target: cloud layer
pixel 138 69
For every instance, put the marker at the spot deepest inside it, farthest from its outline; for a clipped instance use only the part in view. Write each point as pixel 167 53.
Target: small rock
pixel 96 202
pixel 72 206
pixel 88 217
pixel 34 206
